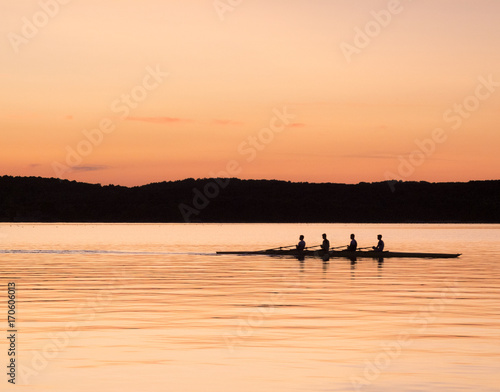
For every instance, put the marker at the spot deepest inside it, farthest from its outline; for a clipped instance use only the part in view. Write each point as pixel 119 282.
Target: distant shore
pixel 223 200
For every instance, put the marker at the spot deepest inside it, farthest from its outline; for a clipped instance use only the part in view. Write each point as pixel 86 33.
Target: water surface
pixel 151 307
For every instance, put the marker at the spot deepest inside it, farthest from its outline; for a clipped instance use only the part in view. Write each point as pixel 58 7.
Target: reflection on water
pixel 151 307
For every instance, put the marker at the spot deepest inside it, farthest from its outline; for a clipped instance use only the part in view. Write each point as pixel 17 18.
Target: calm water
pixel 151 307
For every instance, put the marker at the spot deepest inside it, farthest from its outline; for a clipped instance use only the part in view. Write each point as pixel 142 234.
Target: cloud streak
pixel 89 168
pixel 159 120
pixel 226 122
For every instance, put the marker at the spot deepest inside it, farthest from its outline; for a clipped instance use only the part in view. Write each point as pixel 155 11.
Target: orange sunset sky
pixel 130 92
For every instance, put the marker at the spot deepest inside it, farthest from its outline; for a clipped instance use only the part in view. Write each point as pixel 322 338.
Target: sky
pixel 131 92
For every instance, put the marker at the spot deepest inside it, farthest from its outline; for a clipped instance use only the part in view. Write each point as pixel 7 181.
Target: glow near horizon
pixel 353 120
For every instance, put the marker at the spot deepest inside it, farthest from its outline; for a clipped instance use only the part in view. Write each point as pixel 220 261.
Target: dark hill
pixel 34 199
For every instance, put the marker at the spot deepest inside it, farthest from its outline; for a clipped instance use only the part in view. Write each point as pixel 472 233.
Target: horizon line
pixel 253 179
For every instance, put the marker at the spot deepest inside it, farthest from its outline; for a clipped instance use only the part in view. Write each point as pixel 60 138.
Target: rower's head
pixel 379 236
pixel 324 236
pixel 301 237
pixel 352 236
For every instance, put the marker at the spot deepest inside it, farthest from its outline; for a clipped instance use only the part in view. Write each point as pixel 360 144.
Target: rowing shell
pixel 347 254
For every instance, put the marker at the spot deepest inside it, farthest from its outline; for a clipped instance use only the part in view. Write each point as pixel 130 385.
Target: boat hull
pixel 347 254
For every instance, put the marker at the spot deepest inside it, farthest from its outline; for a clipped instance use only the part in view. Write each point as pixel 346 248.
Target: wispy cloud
pixel 369 156
pixel 226 122
pixel 159 120
pixel 19 116
pixel 386 156
pixel 89 168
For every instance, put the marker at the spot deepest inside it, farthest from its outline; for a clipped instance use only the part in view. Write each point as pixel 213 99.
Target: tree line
pixel 35 199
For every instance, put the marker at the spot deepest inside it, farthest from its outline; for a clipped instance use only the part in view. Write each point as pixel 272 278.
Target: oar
pixel 338 247
pixel 310 247
pixel 278 248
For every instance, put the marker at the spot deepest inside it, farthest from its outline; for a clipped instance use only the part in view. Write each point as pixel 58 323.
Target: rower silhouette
pixel 325 248
pixel 300 248
pixel 353 245
pixel 302 244
pixel 380 245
